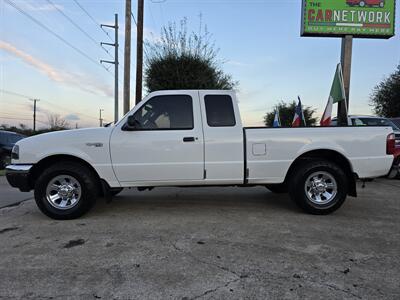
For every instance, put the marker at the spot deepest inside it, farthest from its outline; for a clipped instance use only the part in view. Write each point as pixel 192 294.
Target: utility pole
pixel 127 55
pixel 139 52
pixel 115 62
pixel 346 56
pixel 34 113
pixel 100 117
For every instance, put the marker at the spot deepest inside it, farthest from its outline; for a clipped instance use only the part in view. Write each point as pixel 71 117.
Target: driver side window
pixel 174 112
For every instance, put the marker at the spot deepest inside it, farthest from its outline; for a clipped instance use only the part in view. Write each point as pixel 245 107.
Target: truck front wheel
pixel 66 190
pixel 318 187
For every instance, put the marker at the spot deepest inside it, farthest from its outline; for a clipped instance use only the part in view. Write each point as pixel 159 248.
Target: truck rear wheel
pixel 66 191
pixel 319 187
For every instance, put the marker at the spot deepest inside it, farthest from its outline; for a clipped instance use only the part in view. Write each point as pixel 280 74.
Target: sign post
pixel 348 19
pixel 345 59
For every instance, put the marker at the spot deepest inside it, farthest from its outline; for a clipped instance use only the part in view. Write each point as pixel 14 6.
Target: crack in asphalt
pixel 15 204
pixel 7 229
pixel 215 289
pixel 207 262
pixel 225 269
pixel 341 290
pixel 255 276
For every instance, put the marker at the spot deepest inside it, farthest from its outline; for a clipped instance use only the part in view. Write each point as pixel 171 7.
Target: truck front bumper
pixel 18 176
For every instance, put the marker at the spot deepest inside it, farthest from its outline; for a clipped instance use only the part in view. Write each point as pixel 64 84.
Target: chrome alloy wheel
pixel 320 188
pixel 63 192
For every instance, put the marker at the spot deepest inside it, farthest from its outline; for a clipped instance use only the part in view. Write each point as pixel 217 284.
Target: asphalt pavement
pixel 209 243
pixel 11 196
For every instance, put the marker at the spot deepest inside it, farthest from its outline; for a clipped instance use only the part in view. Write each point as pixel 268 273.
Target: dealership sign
pixel 359 18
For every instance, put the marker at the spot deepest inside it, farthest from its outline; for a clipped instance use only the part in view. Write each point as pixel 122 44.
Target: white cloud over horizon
pixel 80 81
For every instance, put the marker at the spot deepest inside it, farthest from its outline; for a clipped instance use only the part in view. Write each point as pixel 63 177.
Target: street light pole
pixel 100 117
pixel 34 113
pixel 115 63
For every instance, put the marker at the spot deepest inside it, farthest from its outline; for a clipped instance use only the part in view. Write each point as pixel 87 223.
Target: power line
pixel 21 119
pixel 145 50
pixel 64 109
pixel 20 10
pixel 93 19
pixel 48 102
pixel 152 17
pixel 15 94
pixel 78 27
pixel 15 115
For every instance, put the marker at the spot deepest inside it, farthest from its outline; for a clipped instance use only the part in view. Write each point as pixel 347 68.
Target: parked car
pixel 358 120
pixel 7 142
pixel 196 138
pixel 363 3
pixel 379 121
pixel 396 121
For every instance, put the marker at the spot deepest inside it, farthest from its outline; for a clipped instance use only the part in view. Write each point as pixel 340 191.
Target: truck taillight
pixel 390 144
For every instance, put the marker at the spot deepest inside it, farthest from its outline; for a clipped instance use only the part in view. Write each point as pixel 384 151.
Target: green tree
pixel 286 114
pixel 385 97
pixel 182 60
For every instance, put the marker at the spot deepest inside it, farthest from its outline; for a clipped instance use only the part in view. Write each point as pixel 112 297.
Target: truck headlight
pixel 15 152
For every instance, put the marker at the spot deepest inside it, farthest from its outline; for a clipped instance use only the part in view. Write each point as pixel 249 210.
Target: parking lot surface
pixel 10 195
pixel 210 243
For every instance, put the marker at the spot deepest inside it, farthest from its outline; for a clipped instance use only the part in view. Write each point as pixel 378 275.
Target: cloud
pixel 81 81
pixel 41 7
pixel 237 63
pixel 72 117
pixel 149 35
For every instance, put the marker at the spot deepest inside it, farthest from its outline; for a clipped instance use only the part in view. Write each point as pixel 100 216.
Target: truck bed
pixel 271 151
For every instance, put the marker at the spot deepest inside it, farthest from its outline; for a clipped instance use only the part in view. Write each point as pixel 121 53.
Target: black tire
pixel 116 191
pixel 277 188
pixel 297 188
pixel 5 160
pixel 89 190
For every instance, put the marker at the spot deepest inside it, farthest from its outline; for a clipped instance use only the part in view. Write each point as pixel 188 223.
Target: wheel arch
pixel 40 166
pixel 329 155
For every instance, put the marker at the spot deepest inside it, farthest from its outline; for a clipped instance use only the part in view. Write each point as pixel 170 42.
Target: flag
pixel 277 121
pixel 336 95
pixel 298 115
pixel 327 116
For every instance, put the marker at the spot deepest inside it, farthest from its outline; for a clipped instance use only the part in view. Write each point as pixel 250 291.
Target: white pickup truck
pixel 196 138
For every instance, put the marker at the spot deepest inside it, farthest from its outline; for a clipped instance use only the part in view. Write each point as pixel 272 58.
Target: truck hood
pixel 80 142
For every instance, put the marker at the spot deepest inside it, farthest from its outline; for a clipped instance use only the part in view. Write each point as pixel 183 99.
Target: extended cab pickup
pixel 196 138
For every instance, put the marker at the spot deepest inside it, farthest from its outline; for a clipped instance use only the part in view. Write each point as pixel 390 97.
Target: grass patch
pixel 2 172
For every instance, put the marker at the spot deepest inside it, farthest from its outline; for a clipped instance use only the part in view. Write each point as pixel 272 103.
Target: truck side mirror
pixel 131 121
pixel 131 124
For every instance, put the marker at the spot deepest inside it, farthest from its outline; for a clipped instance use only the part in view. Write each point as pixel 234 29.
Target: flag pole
pixel 344 93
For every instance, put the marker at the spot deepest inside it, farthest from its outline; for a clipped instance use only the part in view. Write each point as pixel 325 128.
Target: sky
pixel 259 42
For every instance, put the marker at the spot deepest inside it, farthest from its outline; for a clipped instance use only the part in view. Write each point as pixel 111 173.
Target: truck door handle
pixel 188 139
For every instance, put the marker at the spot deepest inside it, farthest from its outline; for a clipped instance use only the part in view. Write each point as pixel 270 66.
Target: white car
pixel 361 120
pixel 196 138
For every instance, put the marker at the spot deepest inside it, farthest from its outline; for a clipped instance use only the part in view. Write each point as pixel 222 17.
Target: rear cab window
pixel 219 111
